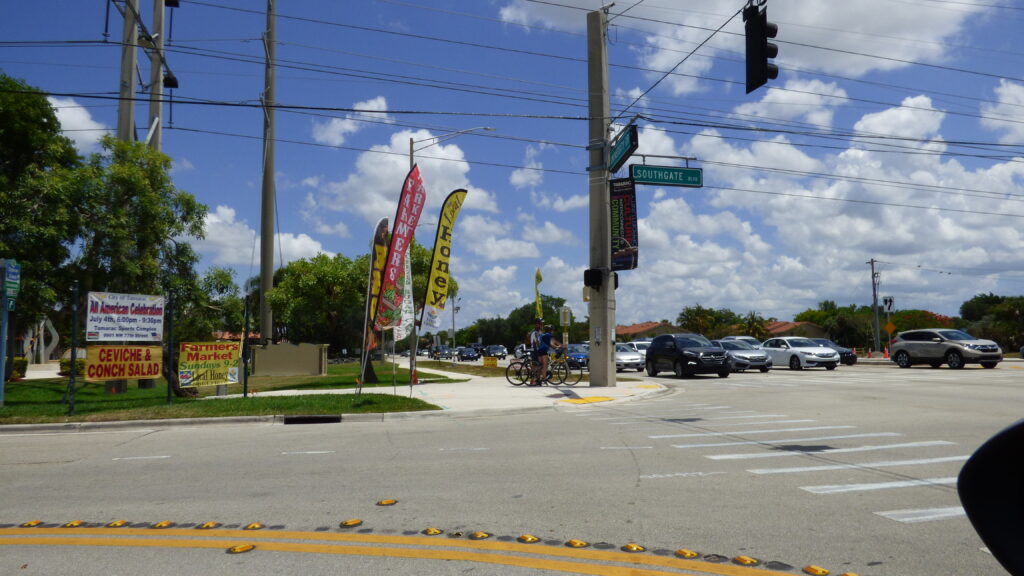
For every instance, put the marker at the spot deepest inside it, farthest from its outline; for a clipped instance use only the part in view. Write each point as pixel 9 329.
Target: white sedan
pixel 798 352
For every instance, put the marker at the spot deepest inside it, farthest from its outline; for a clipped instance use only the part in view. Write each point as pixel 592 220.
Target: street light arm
pixel 443 138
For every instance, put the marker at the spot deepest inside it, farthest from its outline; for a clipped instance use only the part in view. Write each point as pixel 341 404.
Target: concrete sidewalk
pixel 469 397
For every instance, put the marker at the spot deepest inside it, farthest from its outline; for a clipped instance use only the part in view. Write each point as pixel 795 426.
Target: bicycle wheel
pixel 514 373
pixel 528 371
pixel 558 373
pixel 573 376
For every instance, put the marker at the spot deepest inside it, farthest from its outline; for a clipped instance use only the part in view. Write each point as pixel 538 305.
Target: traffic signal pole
pixel 602 298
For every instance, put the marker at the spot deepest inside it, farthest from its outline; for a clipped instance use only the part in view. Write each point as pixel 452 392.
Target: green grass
pixel 40 401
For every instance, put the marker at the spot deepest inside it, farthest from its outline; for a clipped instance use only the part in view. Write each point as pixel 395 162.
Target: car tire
pixel 764 369
pixel 954 359
pixel 794 363
pixel 677 368
pixel 651 370
pixel 903 359
pixel 989 365
pixel 723 374
pixel 830 366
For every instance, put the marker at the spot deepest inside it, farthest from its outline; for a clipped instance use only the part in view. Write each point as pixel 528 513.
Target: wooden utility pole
pixel 269 193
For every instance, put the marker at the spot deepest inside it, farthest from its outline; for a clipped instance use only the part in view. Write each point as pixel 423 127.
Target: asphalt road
pixel 851 470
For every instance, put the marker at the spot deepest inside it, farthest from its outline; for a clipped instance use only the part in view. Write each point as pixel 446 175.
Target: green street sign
pixel 666 175
pixel 623 147
pixel 12 278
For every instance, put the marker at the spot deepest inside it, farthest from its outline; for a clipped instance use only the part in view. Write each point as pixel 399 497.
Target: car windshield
pixel 735 345
pixel 578 348
pixel 956 335
pixel 642 345
pixel 801 343
pixel 824 342
pixel 693 341
pixel 624 348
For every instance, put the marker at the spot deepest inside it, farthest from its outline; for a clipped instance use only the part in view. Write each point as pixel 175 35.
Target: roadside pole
pixel 3 333
pixel 602 297
pixel 72 372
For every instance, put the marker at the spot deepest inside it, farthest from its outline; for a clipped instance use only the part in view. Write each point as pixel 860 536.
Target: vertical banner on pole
pixel 410 206
pixel 378 252
pixel 440 263
pixel 537 279
pixel 625 237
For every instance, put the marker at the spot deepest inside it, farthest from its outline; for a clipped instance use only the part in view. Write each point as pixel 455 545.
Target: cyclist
pixel 544 340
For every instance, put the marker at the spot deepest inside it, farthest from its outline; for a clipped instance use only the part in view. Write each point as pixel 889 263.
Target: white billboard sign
pixel 124 317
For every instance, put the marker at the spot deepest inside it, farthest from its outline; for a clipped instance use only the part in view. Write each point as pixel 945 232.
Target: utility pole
pixel 602 298
pixel 874 303
pixel 156 76
pixel 125 102
pixel 268 192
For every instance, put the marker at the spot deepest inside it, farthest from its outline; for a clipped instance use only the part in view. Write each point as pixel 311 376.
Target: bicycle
pixel 559 367
pixel 515 374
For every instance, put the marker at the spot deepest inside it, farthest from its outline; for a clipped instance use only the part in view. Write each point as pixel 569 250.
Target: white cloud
pixel 77 124
pixel 1004 116
pixel 230 242
pixel 334 131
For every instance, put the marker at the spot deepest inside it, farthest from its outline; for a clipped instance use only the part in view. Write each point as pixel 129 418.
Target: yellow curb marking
pixel 589 400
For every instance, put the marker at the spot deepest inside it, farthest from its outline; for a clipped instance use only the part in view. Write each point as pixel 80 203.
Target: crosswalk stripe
pixel 788 440
pixel 866 465
pixel 843 488
pixel 924 514
pixel 828 451
pixel 697 435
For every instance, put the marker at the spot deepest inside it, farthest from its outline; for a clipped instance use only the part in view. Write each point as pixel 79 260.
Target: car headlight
pixel 972 346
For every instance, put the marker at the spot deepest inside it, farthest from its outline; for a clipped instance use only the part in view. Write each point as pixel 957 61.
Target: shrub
pixel 65 367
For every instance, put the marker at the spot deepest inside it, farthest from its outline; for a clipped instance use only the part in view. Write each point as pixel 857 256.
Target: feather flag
pixel 437 284
pixel 537 279
pixel 410 206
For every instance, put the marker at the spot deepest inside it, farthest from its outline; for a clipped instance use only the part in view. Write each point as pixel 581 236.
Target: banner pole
pixel 170 348
pixel 74 348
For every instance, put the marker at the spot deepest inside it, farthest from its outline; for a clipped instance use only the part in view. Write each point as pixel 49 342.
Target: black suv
pixel 686 355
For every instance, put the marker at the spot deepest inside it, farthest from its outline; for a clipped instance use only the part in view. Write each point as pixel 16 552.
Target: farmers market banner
pixel 410 206
pixel 122 362
pixel 208 363
pixel 124 318
pixel 437 283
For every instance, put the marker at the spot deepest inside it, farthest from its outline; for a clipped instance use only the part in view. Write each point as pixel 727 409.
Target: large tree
pixel 39 185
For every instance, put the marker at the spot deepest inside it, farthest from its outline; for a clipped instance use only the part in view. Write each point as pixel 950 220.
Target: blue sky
pixel 894 132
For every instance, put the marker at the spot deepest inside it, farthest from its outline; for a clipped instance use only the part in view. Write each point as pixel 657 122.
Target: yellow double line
pixel 538 557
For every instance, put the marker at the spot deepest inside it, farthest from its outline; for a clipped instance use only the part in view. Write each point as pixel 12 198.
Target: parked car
pixel 641 346
pixel 467 354
pixel 744 356
pixel 754 342
pixel 686 355
pixel 521 351
pixel 578 355
pixel 846 355
pixel 627 358
pixel 798 352
pixel 938 346
pixel 440 352
pixel 497 350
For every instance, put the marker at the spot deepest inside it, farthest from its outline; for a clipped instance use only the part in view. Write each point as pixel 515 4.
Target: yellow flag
pixel 537 279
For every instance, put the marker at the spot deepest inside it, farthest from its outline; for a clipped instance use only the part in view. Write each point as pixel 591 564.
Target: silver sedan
pixel 744 356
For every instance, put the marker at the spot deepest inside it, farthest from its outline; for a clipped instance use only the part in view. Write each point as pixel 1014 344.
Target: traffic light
pixel 759 49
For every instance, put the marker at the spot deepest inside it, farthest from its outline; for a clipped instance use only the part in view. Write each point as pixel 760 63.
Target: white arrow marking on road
pixel 142 458
pixel 308 452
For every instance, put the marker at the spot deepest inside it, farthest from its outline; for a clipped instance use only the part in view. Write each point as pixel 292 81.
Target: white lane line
pixel 746 432
pixel 463 449
pixel 828 451
pixel 843 488
pixel 307 452
pixel 924 514
pixel 866 465
pixel 627 447
pixel 142 458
